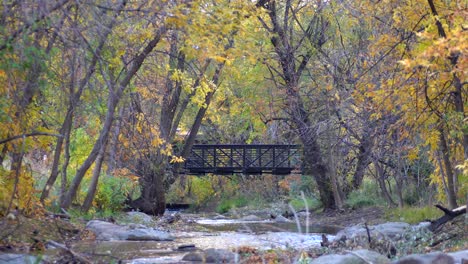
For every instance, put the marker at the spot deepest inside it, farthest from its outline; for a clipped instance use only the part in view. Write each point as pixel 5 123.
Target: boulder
pixel 459 256
pixel 282 219
pixel 139 218
pixel 362 256
pixel 430 258
pixel 108 231
pixel 391 230
pixel 212 255
pixel 20 259
pixel 194 256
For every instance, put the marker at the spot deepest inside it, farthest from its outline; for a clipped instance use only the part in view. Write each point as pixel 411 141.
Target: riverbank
pixel 251 235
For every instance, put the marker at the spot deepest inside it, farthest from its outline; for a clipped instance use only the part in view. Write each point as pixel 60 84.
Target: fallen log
pixel 74 254
pixel 448 216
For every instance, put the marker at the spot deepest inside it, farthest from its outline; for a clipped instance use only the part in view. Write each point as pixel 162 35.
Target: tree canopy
pixel 123 89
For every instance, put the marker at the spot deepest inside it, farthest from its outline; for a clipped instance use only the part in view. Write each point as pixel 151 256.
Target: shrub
pixel 367 195
pixel 201 190
pixel 112 192
pixel 227 204
pixel 298 203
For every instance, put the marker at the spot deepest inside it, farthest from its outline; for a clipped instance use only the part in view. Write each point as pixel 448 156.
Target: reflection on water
pixel 112 251
pixel 264 226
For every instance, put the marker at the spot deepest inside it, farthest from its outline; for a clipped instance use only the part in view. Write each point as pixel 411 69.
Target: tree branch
pixel 32 134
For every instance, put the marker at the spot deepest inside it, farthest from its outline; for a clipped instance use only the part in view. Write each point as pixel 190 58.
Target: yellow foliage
pixel 177 159
pixel 24 198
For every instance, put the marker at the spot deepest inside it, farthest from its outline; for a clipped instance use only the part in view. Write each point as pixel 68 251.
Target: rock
pixel 431 258
pixel 220 217
pixel 108 231
pixel 139 218
pixel 390 230
pixel 282 219
pixel 350 232
pixel 303 214
pixel 251 218
pixel 212 255
pixel 194 256
pixel 459 256
pixel 172 218
pixel 422 225
pixel 135 226
pixel 147 235
pixel 362 256
pixel 20 259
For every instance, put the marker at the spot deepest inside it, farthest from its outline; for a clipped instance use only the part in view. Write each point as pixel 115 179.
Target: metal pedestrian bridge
pixel 247 159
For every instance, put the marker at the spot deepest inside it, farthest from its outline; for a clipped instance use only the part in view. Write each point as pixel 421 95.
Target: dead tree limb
pixel 448 216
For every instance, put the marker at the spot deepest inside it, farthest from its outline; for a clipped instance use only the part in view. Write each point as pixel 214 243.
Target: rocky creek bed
pixel 251 238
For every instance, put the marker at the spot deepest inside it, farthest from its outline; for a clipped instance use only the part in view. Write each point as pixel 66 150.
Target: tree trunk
pixel 152 200
pixel 94 181
pixel 363 161
pixel 66 161
pixel 381 181
pixel 112 162
pixel 313 166
pixel 451 194
pixel 65 131
pixel 114 98
pixel 74 99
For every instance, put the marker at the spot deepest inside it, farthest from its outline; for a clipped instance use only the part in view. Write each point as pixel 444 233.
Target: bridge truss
pixel 247 159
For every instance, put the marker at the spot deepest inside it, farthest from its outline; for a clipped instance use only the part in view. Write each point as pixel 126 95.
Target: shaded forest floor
pixel 370 215
pixel 26 234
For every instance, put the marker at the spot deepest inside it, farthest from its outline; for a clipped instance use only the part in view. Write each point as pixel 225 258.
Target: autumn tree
pixel 413 75
pixel 297 30
pixel 26 42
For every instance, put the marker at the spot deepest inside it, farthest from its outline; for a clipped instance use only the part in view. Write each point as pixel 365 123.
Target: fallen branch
pixel 71 252
pixel 448 216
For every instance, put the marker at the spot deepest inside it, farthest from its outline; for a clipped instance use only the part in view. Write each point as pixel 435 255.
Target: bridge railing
pixel 250 159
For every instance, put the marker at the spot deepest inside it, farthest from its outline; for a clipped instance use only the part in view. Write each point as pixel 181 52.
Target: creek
pixel 220 234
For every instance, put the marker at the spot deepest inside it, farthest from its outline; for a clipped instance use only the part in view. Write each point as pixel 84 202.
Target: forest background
pixel 101 101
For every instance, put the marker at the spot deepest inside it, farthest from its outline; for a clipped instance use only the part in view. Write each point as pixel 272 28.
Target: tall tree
pixel 297 29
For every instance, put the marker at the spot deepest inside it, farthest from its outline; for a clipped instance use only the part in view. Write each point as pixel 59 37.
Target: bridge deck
pixel 248 159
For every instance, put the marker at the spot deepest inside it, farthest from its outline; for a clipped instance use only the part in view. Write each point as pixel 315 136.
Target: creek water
pixel 224 233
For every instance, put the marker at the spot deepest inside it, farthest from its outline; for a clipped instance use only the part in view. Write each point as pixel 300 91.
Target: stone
pixel 250 218
pixel 139 218
pixel 147 235
pixel 194 256
pixel 362 256
pixel 459 256
pixel 350 232
pixel 390 230
pixel 430 258
pixel 282 219
pixel 211 255
pixel 108 231
pixel 20 259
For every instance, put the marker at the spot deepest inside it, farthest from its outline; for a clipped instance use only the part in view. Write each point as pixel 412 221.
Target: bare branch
pixel 32 134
